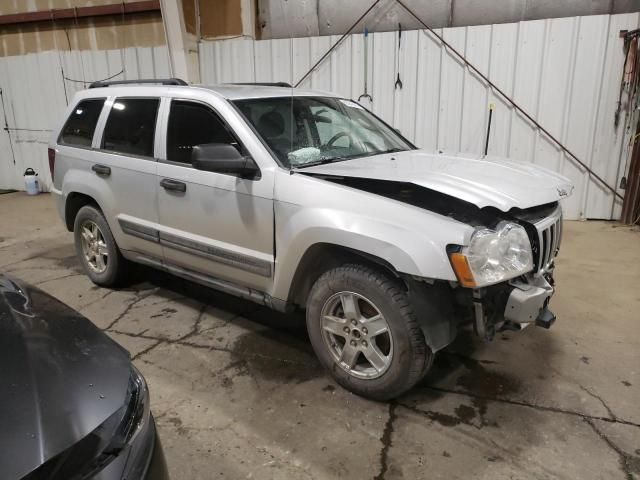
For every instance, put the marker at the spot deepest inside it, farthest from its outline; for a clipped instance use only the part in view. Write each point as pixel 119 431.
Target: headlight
pixel 493 256
pixel 138 411
pixel 134 415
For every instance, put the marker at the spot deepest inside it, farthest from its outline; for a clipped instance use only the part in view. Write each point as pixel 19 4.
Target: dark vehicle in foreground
pixel 72 404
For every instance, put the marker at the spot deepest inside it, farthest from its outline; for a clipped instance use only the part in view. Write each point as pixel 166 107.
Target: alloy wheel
pixel 94 246
pixel 357 335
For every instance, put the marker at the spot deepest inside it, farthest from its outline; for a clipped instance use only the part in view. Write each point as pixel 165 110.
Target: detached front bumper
pixel 529 302
pixel 513 305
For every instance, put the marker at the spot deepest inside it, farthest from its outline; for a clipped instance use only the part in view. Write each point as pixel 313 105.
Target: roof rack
pixel 265 84
pixel 161 81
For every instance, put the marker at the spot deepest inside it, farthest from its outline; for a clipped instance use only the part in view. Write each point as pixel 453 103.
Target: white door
pixel 122 168
pixel 214 224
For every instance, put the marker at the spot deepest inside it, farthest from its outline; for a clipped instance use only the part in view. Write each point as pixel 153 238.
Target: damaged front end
pixel 511 306
pixel 523 300
pixel 443 308
pixel 515 297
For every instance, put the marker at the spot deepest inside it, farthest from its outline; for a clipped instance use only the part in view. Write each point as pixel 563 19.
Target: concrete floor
pixel 237 392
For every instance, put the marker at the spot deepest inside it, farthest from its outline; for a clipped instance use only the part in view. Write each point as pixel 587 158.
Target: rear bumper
pixel 60 201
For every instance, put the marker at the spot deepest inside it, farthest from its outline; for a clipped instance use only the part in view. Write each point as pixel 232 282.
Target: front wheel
pixel 363 330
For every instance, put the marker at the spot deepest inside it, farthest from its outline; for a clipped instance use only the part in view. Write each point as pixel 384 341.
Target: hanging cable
pixel 335 45
pixel 14 129
pixel 512 102
pixel 55 46
pixel 77 24
pixel 123 48
pixel 480 74
pixel 6 127
pixel 92 81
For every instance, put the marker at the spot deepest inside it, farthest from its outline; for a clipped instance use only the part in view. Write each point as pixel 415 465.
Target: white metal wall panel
pixel 35 95
pixel 564 72
pixel 608 143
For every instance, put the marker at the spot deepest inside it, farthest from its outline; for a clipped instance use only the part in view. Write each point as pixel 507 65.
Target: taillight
pixel 52 161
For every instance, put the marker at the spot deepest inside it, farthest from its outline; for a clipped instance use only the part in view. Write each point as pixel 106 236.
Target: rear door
pixel 124 163
pixel 216 224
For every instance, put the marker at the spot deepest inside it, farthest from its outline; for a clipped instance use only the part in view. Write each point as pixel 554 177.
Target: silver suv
pixel 301 199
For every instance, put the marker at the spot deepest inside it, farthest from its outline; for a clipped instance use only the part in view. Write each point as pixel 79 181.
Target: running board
pixel 213 282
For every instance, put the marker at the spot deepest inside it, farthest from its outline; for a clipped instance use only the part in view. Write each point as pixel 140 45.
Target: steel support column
pixel 183 46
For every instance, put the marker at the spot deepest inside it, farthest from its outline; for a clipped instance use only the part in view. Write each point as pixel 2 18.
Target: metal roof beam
pixel 81 12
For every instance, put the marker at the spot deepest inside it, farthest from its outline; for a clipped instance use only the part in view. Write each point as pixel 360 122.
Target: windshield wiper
pixel 334 160
pixel 317 162
pixel 391 150
pixel 349 157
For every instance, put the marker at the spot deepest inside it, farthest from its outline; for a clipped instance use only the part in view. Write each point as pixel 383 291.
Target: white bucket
pixel 31 184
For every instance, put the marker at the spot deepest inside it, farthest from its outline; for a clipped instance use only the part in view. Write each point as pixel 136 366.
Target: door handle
pixel 101 169
pixel 175 185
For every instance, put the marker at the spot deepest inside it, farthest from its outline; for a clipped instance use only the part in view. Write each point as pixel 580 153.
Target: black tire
pixel 116 264
pixel 410 359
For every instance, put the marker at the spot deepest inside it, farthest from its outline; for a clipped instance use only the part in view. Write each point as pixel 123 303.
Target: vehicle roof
pixel 236 92
pixel 228 91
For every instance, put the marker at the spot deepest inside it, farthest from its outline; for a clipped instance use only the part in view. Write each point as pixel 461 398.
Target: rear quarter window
pixel 81 124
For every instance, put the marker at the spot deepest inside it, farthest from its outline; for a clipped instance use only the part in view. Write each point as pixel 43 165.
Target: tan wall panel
pixel 19 6
pixel 220 18
pixel 189 11
pixel 102 33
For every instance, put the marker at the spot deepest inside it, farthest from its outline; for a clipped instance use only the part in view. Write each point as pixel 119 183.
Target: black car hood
pixel 60 377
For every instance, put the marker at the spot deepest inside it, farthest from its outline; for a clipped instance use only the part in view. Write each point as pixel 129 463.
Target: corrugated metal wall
pixel 34 96
pixel 565 72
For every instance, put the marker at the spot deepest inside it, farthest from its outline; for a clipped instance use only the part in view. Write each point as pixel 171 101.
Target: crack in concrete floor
pixel 626 460
pixel 534 406
pixel 139 297
pixel 386 438
pixel 385 458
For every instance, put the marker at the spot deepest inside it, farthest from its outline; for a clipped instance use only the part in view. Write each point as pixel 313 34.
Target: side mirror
pixel 223 158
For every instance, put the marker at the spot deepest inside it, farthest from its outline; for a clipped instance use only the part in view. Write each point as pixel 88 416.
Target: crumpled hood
pixel 60 377
pixel 484 182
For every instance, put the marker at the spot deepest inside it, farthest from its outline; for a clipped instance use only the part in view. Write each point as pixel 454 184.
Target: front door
pixel 211 223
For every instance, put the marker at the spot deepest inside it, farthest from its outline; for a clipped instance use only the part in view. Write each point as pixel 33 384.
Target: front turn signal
pixel 461 267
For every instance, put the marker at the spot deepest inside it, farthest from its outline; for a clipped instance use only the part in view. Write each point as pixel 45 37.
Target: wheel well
pixel 75 201
pixel 322 257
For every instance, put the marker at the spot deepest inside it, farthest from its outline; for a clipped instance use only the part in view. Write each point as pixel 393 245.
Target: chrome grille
pixel 549 237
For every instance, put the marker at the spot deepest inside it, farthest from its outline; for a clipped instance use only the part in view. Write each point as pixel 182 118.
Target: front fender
pixel 407 249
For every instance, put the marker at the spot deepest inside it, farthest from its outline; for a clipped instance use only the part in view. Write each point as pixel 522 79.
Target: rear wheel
pixel 96 248
pixel 363 330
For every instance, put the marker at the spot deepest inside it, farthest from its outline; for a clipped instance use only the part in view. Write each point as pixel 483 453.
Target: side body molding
pixel 220 255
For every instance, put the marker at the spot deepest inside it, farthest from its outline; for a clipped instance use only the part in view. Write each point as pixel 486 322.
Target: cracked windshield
pixel 305 131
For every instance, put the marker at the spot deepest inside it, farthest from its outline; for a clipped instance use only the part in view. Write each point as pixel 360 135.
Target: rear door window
pixel 82 123
pixel 131 126
pixel 192 124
